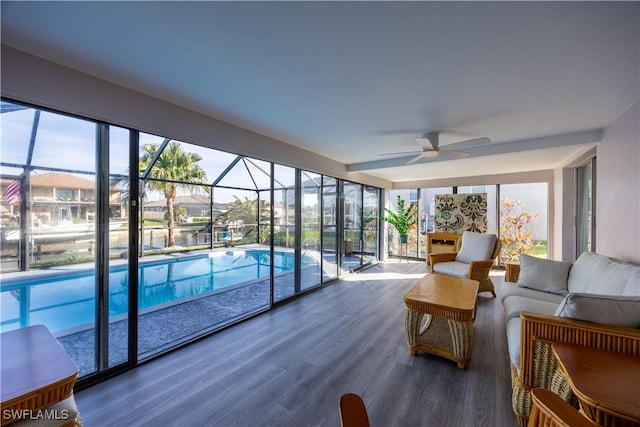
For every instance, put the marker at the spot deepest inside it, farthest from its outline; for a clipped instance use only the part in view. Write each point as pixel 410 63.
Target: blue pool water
pixel 66 301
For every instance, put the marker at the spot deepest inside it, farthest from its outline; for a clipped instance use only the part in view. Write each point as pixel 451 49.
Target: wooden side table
pixel 36 372
pixel 607 384
pixel 512 271
pixel 449 305
pixel 549 410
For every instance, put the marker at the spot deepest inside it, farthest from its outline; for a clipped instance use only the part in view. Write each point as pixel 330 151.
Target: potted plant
pixel 402 219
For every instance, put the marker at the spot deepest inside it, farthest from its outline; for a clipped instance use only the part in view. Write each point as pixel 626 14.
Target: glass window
pixel 118 239
pixel 329 228
pixel 207 221
pixel 370 204
pixel 352 217
pixel 396 247
pixel 18 125
pixel 49 231
pixel 61 137
pixel 175 193
pixel 249 174
pixel 284 231
pixel 311 229
pixel 523 220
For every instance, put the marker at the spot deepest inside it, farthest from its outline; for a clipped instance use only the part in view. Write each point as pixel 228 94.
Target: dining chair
pixel 353 412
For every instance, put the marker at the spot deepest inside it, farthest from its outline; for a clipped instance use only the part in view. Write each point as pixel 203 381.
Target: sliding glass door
pixel 311 204
pixel 352 230
pixel 330 258
pixel 370 223
pixel 585 207
pixel 66 230
pixel 127 244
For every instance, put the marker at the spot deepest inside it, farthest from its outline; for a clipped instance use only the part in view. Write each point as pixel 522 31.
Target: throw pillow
pixel 544 274
pixel 608 309
pixel 476 247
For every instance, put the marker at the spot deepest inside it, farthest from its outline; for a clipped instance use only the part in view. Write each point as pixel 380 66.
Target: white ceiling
pixel 351 80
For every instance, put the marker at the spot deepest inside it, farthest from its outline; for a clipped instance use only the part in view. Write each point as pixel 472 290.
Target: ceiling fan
pixel 430 147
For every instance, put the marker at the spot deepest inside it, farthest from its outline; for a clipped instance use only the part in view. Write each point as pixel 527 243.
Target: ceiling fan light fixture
pixel 430 145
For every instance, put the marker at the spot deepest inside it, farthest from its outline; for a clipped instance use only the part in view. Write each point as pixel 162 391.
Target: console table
pixel 606 383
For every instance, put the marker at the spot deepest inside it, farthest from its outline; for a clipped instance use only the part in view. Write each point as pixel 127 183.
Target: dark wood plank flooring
pixel 290 366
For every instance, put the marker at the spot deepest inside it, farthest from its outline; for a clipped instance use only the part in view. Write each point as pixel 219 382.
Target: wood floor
pixel 290 366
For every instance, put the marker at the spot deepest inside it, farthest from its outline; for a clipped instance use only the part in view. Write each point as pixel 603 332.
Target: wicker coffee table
pixel 447 305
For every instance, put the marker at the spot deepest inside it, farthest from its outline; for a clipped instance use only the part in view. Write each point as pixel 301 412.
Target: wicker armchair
pixel 539 367
pixel 476 270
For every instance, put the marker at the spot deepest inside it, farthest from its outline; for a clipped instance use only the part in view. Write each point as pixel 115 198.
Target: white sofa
pixel 596 295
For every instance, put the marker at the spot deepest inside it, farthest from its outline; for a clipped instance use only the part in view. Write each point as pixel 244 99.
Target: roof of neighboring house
pixel 61 180
pixel 186 201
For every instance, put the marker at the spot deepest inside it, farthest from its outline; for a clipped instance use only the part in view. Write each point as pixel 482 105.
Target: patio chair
pixel 474 260
pixel 353 412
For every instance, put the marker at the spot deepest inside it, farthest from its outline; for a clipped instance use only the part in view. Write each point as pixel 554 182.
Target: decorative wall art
pixel 456 213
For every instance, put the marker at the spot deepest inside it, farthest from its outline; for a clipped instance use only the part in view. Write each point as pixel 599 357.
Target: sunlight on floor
pixel 391 271
pixel 382 276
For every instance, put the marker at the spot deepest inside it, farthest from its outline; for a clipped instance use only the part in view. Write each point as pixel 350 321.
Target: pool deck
pixel 167 327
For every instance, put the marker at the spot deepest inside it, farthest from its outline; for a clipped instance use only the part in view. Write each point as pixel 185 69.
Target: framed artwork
pixel 456 213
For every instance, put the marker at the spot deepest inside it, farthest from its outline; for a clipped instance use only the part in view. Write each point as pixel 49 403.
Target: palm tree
pixel 245 213
pixel 240 213
pixel 173 169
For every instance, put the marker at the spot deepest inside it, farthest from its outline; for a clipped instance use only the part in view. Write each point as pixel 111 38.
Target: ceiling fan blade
pixel 451 154
pixel 430 141
pixel 400 152
pixel 416 158
pixel 470 143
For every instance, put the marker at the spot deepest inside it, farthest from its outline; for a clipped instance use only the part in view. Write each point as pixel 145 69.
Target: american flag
pixel 12 192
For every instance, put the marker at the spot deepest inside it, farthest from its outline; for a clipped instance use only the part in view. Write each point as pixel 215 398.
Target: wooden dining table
pixel 607 384
pixel 36 372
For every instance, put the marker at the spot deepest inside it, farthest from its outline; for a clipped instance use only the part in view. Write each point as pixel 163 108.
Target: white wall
pixel 564 227
pixel 618 188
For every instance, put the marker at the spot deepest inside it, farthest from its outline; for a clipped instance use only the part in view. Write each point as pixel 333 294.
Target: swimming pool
pixel 66 301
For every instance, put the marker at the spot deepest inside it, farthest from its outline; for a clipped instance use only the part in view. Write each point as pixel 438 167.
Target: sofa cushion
pixel 508 289
pixel 452 268
pixel 513 305
pixel 513 341
pixel 543 274
pixel 608 309
pixel 476 247
pixel 597 274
